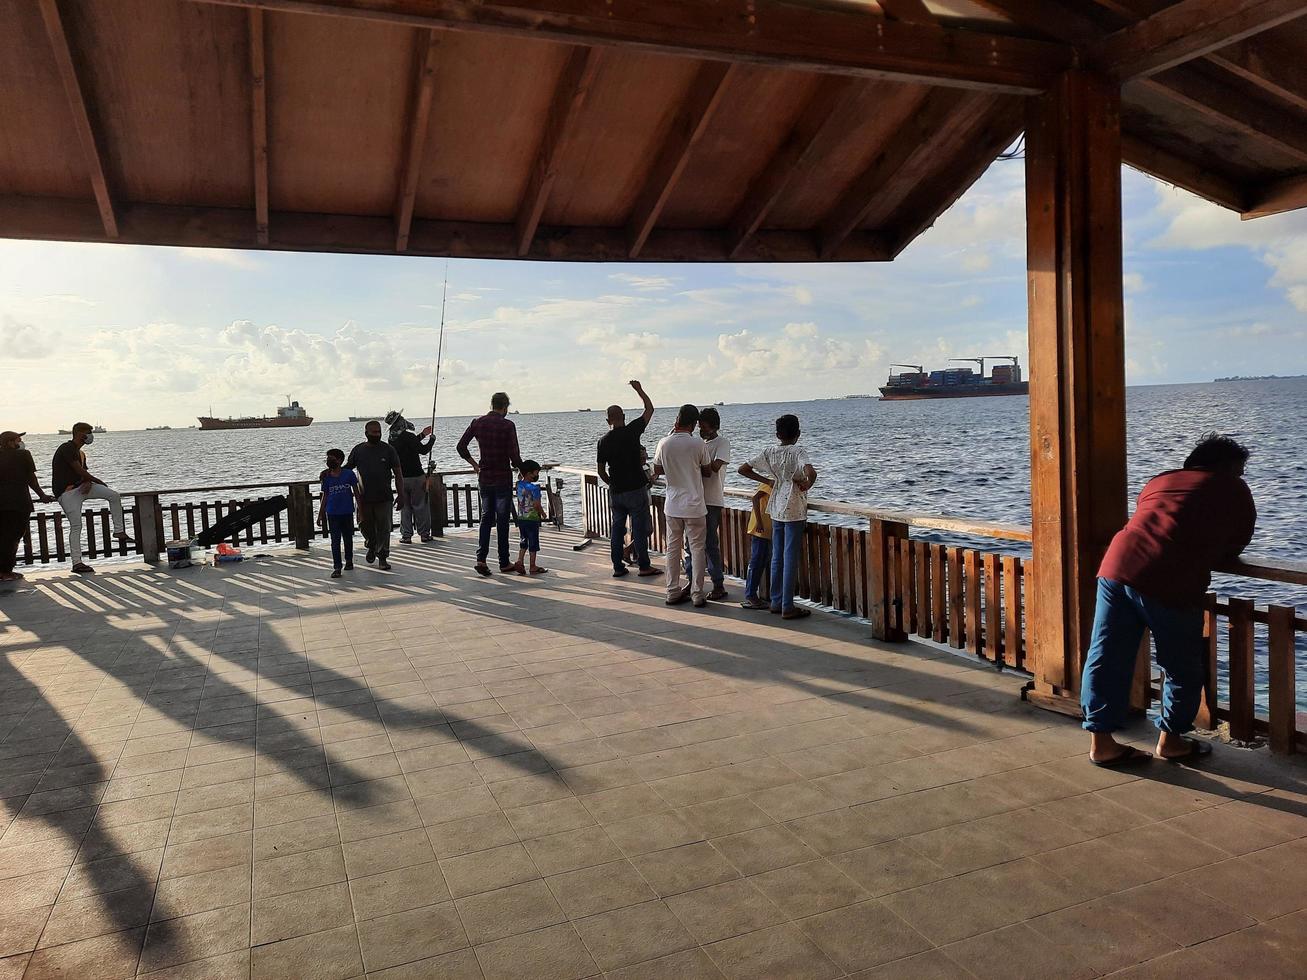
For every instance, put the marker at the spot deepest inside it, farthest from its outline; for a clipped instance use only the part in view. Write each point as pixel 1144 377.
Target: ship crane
pixel 916 367
pixel 974 360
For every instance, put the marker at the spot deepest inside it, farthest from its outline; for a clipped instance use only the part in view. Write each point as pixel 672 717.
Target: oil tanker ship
pixel 1004 379
pixel 288 416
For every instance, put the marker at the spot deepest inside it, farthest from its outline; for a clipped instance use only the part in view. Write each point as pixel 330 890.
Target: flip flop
pixel 539 571
pixel 1130 757
pixel 1198 749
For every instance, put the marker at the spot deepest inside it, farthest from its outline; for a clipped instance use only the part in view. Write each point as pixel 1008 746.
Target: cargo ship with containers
pixel 288 416
pixel 1004 379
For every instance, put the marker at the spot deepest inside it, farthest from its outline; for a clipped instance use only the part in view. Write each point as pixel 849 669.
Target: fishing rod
pixel 440 348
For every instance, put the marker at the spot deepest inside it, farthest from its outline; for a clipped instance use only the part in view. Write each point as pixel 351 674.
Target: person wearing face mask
pixel 17 477
pixel 74 485
pixel 376 462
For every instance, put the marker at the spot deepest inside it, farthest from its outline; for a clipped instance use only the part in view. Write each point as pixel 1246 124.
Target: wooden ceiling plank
pixel 79 105
pixel 259 123
pixel 1047 17
pixel 814 128
pixel 763 32
pixel 1207 94
pixel 894 169
pixel 1286 194
pixel 702 100
pixel 1275 68
pixel 419 120
pixel 1169 168
pixel 1188 30
pixel 569 98
pixel 908 11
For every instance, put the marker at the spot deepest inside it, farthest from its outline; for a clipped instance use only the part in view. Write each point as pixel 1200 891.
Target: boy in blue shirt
pixel 340 489
pixel 530 515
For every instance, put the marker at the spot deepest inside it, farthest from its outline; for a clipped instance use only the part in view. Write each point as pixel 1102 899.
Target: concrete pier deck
pixel 257 772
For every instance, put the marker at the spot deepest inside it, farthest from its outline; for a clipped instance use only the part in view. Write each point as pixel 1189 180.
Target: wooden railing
pixel 865 562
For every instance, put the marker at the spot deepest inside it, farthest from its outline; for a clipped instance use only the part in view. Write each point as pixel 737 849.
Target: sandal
pixel 539 571
pixel 1130 757
pixel 1198 749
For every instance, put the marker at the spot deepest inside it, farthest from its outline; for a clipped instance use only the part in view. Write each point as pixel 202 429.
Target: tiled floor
pixel 255 771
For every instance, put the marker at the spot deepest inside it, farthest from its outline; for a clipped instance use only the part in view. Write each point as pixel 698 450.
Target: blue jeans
pixel 786 553
pixel 1120 617
pixel 496 505
pixel 635 505
pixel 342 532
pixel 712 548
pixel 530 535
pixel 759 558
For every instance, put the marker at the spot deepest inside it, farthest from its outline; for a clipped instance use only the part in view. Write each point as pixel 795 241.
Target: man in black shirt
pixel 411 448
pixel 376 462
pixel 621 466
pixel 73 485
pixel 17 477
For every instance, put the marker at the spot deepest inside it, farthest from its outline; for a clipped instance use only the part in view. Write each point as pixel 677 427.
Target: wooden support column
pixel 415 139
pixel 259 124
pixel 1077 367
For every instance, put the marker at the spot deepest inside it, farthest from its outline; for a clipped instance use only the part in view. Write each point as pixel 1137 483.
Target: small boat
pixel 719 404
pixel 585 409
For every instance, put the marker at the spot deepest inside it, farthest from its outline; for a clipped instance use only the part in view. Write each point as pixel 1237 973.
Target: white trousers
pixel 678 529
pixel 72 502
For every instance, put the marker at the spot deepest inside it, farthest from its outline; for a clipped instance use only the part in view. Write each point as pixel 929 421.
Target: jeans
pixel 712 548
pixel 681 530
pixel 416 515
pixel 72 502
pixel 1120 616
pixel 496 504
pixel 13 525
pixel 786 552
pixel 342 530
pixel 375 523
pixel 635 504
pixel 759 558
pixel 530 535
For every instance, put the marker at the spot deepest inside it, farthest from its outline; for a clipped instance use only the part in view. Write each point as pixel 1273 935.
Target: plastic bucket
pixel 179 554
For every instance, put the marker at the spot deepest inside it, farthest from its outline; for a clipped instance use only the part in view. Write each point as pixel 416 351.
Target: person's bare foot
pixel 1174 747
pixel 517 567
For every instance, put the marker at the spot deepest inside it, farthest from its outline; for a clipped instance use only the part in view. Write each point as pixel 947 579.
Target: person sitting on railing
pixel 1155 575
pixel 17 476
pixel 74 485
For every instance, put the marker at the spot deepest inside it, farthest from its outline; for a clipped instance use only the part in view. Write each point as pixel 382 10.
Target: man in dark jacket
pixel 376 463
pixel 1155 575
pixel 416 514
pixel 17 483
pixel 496 437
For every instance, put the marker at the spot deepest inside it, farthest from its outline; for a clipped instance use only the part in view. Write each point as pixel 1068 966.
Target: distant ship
pixel 158 428
pixel 1005 379
pixel 1264 377
pixel 94 428
pixel 368 418
pixel 291 415
pixel 585 409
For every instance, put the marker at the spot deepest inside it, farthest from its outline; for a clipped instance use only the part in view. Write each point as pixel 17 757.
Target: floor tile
pixel 777 951
pixel 491 915
pixel 332 954
pixel 553 953
pixel 632 935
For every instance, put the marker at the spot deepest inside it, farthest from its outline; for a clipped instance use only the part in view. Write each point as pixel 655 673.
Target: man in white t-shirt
pixel 714 496
pixel 684 460
pixel 787 469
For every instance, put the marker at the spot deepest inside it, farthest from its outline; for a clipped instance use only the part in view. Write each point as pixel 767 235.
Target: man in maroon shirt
pixel 1155 575
pixel 496 437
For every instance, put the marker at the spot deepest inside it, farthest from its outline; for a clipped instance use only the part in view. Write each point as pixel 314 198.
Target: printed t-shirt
pixel 16 471
pixel 714 487
pixel 681 455
pixel 619 450
pixel 759 522
pixel 1185 523
pixel 374 462
pixel 781 463
pixel 338 491
pixel 530 505
pixel 62 474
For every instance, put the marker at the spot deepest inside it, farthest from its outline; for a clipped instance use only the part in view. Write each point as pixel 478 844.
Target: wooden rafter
pixel 1188 30
pixel 1047 17
pixel 908 11
pixel 1269 65
pixel 891 176
pixel 569 97
pixel 57 219
pixel 259 124
pixel 1286 194
pixel 821 120
pixel 764 32
pixel 415 134
pixel 687 129
pixel 78 104
pixel 1168 167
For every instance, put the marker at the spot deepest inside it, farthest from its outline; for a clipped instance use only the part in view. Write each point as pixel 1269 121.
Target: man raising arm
pixel 622 469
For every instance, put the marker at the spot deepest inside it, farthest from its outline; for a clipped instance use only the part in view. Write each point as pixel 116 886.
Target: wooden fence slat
pixel 956 599
pixel 1242 704
pixel 1281 680
pixel 921 586
pixel 993 609
pixel 938 595
pixel 907 585
pixel 1012 610
pixel 43 536
pixel 1209 709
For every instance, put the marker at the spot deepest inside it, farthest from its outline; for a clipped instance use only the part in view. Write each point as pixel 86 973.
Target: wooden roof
pixel 695 130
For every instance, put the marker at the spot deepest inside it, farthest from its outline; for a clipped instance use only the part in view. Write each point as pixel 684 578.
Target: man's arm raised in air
pixel 648 402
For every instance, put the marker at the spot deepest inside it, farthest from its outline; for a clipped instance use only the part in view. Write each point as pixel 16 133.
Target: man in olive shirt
pixel 622 468
pixel 376 463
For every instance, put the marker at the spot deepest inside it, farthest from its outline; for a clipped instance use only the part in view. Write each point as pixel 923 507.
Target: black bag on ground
pixel 238 520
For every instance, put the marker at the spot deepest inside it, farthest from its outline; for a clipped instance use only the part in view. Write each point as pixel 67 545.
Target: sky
pixel 130 336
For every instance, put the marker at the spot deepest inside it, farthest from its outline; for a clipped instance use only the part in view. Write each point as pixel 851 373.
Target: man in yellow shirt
pixel 760 551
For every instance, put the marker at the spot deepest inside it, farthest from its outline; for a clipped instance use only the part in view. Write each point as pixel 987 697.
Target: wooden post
pixel 438 505
pixel 301 515
pixel 880 560
pixel 1077 366
pixel 149 527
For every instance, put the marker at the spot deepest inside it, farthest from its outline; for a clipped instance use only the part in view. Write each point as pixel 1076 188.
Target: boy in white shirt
pixel 685 461
pixel 714 496
pixel 787 469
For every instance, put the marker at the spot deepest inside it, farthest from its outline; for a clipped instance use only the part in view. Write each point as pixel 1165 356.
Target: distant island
pixel 1265 377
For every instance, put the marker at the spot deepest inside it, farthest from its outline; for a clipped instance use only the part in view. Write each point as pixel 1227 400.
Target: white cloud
pixel 1133 282
pixel 24 341
pixel 644 283
pixel 231 258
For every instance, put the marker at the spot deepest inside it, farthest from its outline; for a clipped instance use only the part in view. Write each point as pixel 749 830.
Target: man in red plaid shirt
pixel 496 438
